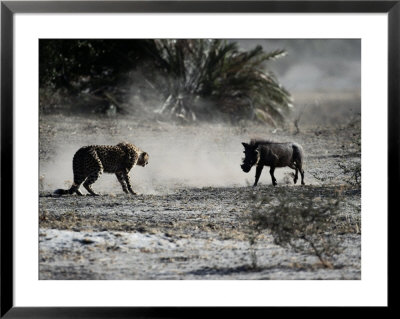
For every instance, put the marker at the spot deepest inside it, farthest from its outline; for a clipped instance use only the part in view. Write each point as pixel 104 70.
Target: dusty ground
pixel 189 220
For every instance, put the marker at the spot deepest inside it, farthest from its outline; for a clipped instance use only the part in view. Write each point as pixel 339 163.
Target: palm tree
pixel 199 78
pixel 218 73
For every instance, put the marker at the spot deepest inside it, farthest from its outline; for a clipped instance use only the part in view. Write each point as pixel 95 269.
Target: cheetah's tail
pixel 61 191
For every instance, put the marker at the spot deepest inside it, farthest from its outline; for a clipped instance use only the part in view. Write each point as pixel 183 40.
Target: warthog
pixel 267 153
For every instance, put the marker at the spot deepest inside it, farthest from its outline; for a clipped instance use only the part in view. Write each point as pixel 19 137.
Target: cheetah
pixel 91 161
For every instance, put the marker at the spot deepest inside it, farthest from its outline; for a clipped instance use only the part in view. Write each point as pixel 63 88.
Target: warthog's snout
pixel 245 168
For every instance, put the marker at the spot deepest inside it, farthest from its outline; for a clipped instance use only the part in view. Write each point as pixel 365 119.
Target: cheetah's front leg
pixel 128 183
pixel 121 180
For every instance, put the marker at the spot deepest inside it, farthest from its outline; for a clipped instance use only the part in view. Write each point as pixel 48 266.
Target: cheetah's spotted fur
pixel 91 161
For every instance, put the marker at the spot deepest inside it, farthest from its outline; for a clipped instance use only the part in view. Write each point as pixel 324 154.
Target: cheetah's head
pixel 143 159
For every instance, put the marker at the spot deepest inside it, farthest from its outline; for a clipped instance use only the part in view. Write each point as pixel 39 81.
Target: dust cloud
pixel 195 156
pixel 323 76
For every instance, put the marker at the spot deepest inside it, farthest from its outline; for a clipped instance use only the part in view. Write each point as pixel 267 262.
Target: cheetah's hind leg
pixel 90 180
pixel 75 190
pixel 78 192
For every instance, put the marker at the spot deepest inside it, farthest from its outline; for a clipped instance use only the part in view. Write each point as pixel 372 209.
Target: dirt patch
pixel 189 220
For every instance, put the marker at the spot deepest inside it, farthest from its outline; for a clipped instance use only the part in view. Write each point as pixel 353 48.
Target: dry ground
pixel 190 219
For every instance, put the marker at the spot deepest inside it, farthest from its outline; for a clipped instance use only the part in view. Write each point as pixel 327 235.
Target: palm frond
pixel 219 71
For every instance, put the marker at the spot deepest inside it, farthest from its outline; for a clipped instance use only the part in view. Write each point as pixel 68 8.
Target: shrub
pixel 352 169
pixel 307 225
pixel 195 77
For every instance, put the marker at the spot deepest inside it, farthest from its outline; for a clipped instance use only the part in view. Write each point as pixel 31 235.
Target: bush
pixel 352 170
pixel 196 78
pixel 308 225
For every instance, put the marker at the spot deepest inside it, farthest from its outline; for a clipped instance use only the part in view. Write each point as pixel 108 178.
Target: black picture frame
pixel 9 8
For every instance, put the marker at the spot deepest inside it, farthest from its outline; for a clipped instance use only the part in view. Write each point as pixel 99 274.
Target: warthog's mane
pixel 257 141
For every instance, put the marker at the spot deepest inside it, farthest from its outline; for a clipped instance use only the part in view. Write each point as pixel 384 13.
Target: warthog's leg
pixel 271 171
pixel 128 183
pixel 299 167
pixel 258 174
pixel 121 180
pixel 296 172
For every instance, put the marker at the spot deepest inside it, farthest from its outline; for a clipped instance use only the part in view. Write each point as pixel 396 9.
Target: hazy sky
pixel 313 65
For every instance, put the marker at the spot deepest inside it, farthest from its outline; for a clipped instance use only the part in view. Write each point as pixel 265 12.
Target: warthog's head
pixel 143 159
pixel 251 156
